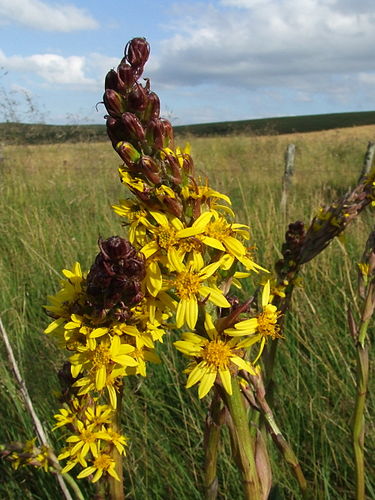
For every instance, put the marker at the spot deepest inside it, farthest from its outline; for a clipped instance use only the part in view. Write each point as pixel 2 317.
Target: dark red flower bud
pixel 133 127
pixel 114 82
pixel 168 134
pixel 174 206
pixel 155 133
pixel 127 153
pixel 137 51
pixel 150 169
pixel 152 109
pixel 175 168
pixel 187 164
pixel 114 130
pixel 137 98
pixel 114 102
pixel 128 74
pixel 115 277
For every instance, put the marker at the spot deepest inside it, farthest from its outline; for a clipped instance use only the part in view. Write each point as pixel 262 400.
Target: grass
pixel 55 203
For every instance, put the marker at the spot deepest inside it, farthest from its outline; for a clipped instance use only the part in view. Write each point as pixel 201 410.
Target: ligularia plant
pixel 184 256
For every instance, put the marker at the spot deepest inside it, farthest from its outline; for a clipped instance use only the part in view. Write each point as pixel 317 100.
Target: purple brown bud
pixel 114 102
pixel 114 130
pixel 133 127
pixel 150 169
pixel 152 109
pixel 115 277
pixel 168 134
pixel 128 153
pixel 128 74
pixel 174 206
pixel 175 168
pixel 137 98
pixel 137 51
pixel 113 81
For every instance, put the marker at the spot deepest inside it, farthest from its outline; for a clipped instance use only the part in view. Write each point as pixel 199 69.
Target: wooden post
pixel 367 162
pixel 288 174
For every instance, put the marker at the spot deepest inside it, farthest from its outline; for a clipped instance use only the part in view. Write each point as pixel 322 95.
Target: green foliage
pixel 38 133
pixel 55 203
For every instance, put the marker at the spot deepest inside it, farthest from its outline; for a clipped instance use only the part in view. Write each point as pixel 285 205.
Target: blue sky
pixel 210 61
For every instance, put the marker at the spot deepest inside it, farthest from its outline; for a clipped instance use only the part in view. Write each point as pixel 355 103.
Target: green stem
pixel 211 444
pixel 244 443
pixel 74 486
pixel 358 429
pixel 116 488
pixel 277 436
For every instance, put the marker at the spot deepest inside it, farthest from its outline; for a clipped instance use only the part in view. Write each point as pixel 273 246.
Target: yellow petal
pixel 181 313
pixel 150 248
pixel 213 242
pixel 214 296
pixel 226 379
pixel 100 378
pixel 266 293
pixel 195 375
pixel 207 382
pixel 191 313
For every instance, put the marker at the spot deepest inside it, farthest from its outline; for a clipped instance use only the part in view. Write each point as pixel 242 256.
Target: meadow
pixel 55 203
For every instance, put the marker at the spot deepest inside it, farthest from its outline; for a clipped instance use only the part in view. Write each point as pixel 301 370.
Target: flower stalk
pixel 244 443
pixel 359 332
pixel 211 447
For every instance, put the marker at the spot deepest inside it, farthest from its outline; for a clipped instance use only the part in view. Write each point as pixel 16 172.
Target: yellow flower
pixel 102 359
pixel 214 357
pixel 70 292
pixel 259 328
pixel 103 463
pixel 137 216
pixel 172 234
pixel 87 440
pixel 188 286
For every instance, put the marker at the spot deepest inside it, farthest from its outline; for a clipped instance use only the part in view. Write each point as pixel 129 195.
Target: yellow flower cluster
pixel 193 257
pixel 92 441
pixel 103 349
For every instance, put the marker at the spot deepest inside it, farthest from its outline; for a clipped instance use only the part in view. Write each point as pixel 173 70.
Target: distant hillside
pixel 22 133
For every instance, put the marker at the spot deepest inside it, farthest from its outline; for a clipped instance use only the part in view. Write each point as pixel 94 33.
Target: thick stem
pixel 278 438
pixel 244 444
pixel 116 488
pixel 211 444
pixel 358 430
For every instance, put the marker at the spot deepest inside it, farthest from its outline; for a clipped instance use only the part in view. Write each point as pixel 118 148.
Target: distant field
pixel 54 204
pixel 20 133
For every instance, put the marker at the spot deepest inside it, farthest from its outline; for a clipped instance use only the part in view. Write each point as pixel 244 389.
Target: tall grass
pixel 55 203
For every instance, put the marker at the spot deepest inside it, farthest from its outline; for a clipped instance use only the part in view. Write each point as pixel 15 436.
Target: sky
pixel 210 61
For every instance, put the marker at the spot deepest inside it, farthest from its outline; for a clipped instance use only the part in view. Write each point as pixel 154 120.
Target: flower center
pixel 217 353
pixel 101 356
pixel 88 436
pixel 166 237
pixel 103 461
pixel 219 229
pixel 267 323
pixel 187 284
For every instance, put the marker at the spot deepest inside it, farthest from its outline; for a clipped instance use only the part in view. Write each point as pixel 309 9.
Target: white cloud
pixel 39 15
pixel 277 43
pixel 52 68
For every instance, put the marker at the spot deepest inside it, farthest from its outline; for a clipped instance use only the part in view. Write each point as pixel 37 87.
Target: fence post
pixel 367 161
pixel 288 174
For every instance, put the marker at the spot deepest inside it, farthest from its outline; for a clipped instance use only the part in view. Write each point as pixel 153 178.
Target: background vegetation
pixel 14 132
pixel 54 203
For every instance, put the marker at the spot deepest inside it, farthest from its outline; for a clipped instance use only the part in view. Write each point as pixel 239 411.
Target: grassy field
pixel 55 203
